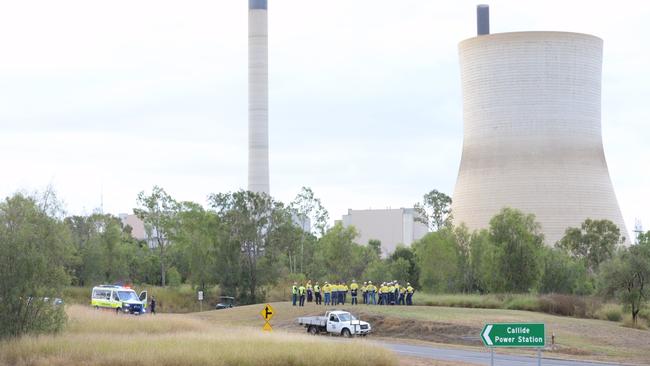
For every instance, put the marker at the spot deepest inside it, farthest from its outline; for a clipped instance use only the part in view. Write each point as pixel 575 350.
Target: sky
pixel 102 100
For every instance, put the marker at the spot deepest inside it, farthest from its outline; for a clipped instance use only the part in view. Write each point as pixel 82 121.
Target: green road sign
pixel 513 335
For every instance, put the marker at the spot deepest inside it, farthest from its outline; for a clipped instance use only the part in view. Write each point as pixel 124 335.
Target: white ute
pixel 335 322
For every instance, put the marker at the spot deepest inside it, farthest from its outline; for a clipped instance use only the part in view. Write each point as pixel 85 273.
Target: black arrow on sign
pixel 266 309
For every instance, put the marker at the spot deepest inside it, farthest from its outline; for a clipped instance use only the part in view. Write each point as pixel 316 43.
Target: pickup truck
pixel 335 322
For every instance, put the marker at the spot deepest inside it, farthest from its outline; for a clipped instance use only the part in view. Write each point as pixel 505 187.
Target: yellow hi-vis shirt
pixel 301 290
pixel 391 289
pixel 327 289
pixel 317 289
pixel 402 290
pixel 410 289
pixel 371 288
pixel 345 288
pixel 364 288
pixel 354 286
pixel 294 290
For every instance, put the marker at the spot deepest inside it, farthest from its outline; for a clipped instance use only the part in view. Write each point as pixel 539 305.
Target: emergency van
pixel 119 298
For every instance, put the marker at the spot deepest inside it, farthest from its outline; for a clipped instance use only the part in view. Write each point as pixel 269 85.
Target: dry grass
pixel 103 338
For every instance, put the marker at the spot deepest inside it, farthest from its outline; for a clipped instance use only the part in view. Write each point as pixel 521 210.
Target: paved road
pixel 482 358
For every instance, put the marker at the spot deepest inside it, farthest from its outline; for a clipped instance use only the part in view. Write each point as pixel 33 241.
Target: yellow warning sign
pixel 267 312
pixel 267 327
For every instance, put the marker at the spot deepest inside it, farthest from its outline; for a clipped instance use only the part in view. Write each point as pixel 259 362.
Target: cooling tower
pixel 258 97
pixel 531 131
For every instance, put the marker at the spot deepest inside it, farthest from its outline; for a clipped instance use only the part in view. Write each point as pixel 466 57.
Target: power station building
pixel 390 226
pixel 258 97
pixel 532 130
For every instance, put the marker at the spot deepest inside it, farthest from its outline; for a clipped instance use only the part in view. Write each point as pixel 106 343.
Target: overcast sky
pixel 365 104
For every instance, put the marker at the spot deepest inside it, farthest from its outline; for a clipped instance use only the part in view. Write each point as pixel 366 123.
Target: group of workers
pixel 389 293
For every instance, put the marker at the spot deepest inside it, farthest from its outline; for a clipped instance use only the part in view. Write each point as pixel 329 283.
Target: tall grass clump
pixel 522 302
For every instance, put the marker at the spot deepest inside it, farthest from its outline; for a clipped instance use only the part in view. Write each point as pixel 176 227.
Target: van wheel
pixel 346 333
pixel 312 330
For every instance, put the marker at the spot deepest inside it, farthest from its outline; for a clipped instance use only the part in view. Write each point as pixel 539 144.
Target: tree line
pixel 246 242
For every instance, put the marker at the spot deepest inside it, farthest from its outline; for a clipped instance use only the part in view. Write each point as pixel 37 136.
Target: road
pixel 481 358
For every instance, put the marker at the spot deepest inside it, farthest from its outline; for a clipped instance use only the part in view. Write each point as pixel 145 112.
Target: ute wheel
pixel 312 330
pixel 346 333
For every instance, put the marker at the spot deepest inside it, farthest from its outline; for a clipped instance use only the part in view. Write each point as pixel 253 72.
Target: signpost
pixel 201 300
pixel 267 314
pixel 532 335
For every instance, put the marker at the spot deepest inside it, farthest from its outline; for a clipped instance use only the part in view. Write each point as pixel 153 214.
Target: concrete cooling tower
pixel 531 131
pixel 258 97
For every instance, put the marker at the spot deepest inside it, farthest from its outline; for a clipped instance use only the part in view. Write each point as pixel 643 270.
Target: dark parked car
pixel 225 302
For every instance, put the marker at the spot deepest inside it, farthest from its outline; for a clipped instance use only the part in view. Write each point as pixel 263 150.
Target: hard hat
pixel 370 282
pixel 408 284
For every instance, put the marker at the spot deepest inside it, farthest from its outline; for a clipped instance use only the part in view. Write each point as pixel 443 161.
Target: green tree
pixel 34 251
pixel 246 254
pixel 341 256
pixel 594 242
pixel 158 212
pixel 518 242
pixel 375 245
pixel 308 210
pixel 435 210
pixel 437 258
pixel 408 268
pixel 627 277
pixel 563 274
pixel 377 271
pixel 463 240
pixel 199 235
pixel 482 262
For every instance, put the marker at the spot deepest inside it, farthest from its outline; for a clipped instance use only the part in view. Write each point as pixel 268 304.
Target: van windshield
pixel 127 295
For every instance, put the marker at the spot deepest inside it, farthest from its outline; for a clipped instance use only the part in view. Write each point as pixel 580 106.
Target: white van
pixel 119 298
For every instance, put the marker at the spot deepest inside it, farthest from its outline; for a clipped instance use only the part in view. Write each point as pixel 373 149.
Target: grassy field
pixel 95 337
pixel 575 338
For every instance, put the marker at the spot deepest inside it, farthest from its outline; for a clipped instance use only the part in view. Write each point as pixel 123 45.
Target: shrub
pixel 567 305
pixel 610 312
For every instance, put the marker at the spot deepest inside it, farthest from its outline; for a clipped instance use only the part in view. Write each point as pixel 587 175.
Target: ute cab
pixel 337 322
pixel 120 298
pixel 346 324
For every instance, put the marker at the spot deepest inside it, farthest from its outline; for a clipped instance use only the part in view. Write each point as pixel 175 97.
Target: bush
pixel 610 312
pixel 567 305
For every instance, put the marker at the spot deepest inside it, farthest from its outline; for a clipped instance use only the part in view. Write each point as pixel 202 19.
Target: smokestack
pixel 482 19
pixel 258 97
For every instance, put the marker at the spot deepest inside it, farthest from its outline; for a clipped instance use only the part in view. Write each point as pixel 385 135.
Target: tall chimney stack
pixel 482 19
pixel 258 97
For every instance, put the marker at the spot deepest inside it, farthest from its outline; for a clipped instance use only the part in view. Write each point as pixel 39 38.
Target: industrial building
pixel 258 97
pixel 532 130
pixel 390 226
